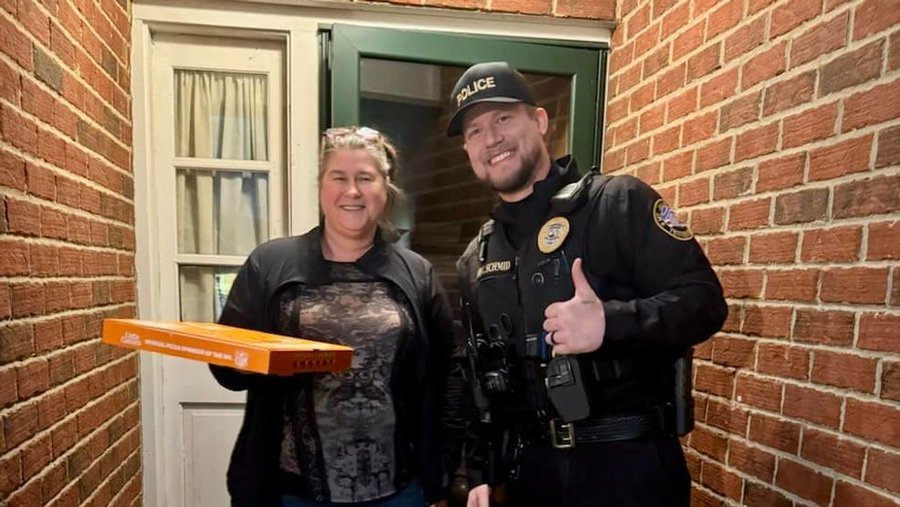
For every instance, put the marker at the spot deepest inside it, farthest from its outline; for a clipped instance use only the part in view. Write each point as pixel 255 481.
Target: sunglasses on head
pixel 366 133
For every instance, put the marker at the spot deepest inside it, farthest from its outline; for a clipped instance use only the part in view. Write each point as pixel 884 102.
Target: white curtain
pixel 223 116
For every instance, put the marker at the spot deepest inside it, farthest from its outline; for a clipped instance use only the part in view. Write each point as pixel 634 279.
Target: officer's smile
pixel 496 159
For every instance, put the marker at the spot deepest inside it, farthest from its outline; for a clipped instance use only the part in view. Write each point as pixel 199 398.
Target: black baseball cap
pixel 486 82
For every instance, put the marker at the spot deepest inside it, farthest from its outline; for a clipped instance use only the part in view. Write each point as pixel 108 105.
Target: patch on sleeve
pixel 667 220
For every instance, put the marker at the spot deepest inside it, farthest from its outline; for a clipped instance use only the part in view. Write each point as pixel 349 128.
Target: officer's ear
pixel 543 120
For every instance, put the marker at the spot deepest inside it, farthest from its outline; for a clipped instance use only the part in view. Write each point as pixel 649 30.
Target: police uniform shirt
pixel 522 218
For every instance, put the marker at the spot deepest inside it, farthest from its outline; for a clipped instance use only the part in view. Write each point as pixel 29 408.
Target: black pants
pixel 646 472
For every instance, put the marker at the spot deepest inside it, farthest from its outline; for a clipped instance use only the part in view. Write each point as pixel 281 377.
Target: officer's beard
pixel 521 177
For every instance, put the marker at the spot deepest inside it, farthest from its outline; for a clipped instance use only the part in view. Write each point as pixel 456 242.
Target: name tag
pixel 493 267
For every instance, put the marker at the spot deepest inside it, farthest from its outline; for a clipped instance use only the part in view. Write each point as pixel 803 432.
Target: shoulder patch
pixel 552 234
pixel 666 219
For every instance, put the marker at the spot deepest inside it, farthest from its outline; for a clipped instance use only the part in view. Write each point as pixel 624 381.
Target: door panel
pixel 218 144
pixel 204 424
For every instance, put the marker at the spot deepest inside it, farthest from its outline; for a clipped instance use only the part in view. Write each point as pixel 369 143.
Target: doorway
pixel 399 81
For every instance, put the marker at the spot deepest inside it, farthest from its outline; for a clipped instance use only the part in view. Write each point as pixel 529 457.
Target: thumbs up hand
pixel 578 325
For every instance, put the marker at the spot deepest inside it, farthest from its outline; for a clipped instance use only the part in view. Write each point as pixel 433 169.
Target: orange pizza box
pixel 234 347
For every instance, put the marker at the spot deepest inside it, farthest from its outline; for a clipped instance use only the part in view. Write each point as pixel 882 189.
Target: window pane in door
pixel 221 115
pixel 221 212
pixel 203 291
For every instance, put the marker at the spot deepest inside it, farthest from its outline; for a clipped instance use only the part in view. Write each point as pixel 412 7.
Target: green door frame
pixel 584 65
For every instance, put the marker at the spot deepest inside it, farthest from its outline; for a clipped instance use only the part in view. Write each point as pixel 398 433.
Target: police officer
pixel 583 296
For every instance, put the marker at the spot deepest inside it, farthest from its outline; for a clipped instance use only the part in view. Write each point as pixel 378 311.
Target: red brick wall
pixel 775 128
pixel 69 425
pixel 588 9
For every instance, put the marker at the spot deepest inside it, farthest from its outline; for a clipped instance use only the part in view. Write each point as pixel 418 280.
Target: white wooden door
pixel 217 114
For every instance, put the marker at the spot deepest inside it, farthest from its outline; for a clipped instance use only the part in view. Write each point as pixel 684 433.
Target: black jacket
pixel 659 292
pixel 417 380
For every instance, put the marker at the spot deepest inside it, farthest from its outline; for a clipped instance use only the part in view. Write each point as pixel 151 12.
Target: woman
pixel 368 435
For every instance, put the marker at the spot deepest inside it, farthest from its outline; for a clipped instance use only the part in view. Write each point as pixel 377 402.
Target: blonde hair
pixel 383 153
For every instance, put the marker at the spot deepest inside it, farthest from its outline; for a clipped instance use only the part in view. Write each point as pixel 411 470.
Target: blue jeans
pixel 410 496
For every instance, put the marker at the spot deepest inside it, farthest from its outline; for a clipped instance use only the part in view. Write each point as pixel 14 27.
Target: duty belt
pixel 613 428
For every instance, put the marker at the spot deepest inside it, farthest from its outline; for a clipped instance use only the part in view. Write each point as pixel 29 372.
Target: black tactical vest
pixel 515 286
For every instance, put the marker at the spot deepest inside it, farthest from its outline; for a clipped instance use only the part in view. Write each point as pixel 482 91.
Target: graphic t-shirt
pixel 352 418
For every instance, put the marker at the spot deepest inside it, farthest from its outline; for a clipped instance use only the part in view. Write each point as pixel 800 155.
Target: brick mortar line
pixel 843 478
pixel 44 471
pixel 778 153
pixel 73 348
pixel 34 280
pixel 788 36
pixel 744 475
pixel 74 74
pixel 50 354
pixel 59 243
pixel 842 393
pixel 71 107
pixel 79 114
pixel 839 97
pixel 791 341
pixel 623 18
pixel 737 64
pixel 857 327
pixel 109 476
pixel 126 37
pixel 57 206
pixel 72 40
pixel 855 309
pixel 695 483
pixel 31 319
pixel 74 415
pixel 781 153
pixel 692 21
pixel 135 477
pixel 41 241
pixel 830 184
pixel 778 454
pixel 810 347
pixel 879 371
pixel 37 161
pixel 864 239
pixel 792 497
pixel 835 223
pixel 887 171
pixel 61 278
pixel 801 265
pixel 865 444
